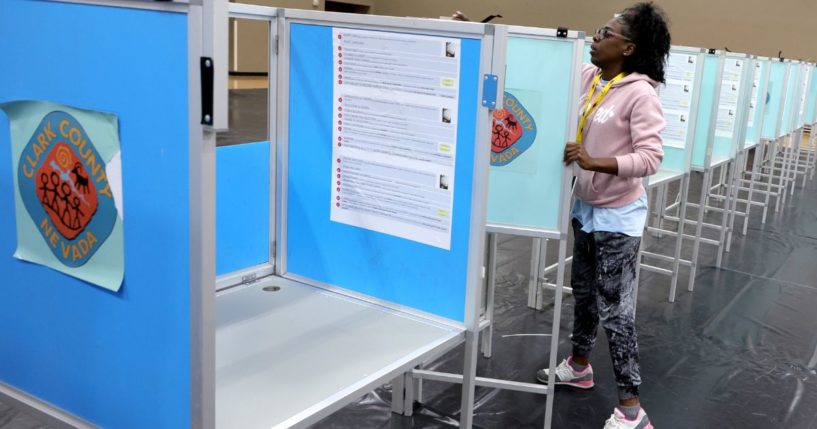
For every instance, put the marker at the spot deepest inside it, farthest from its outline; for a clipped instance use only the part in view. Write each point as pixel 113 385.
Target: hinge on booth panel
pixel 713 51
pixel 249 278
pixel 561 32
pixel 275 45
pixel 490 84
pixel 206 68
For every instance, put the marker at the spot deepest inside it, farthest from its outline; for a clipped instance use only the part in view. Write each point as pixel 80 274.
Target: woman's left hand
pixel 575 152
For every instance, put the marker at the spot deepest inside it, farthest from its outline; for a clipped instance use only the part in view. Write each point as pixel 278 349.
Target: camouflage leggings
pixel 603 278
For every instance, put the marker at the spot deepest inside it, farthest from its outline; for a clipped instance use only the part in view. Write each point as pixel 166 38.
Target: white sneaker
pixel 619 421
pixel 567 376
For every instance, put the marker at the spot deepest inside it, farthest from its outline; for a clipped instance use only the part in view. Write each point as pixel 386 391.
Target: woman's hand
pixel 575 153
pixel 459 16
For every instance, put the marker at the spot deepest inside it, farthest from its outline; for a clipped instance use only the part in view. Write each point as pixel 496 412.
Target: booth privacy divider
pixel 143 356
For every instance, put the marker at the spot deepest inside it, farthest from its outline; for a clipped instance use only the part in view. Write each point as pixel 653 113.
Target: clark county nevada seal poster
pixel 67 186
pixel 514 131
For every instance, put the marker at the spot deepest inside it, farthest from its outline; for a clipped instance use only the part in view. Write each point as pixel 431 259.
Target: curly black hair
pixel 647 26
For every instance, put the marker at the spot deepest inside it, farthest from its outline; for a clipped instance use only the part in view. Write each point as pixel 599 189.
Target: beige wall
pixel 253 53
pixel 761 27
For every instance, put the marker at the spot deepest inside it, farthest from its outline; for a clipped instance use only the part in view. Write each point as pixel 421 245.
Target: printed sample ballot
pixel 394 135
pixel 676 98
pixel 753 99
pixel 728 104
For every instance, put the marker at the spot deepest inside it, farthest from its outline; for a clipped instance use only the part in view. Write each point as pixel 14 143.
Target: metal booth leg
pixel 676 263
pixel 488 333
pixel 707 181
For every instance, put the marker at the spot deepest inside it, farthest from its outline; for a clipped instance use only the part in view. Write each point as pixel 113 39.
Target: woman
pixel 618 143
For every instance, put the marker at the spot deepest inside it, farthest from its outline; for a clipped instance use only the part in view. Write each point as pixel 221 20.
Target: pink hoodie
pixel 627 126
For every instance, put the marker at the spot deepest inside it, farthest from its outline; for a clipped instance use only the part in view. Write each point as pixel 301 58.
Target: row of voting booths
pixel 270 283
pixel 720 107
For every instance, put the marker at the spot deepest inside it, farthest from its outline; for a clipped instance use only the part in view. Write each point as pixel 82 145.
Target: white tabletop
pixel 663 176
pixel 719 159
pixel 291 357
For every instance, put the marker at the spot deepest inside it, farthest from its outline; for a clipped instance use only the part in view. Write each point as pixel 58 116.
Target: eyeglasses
pixel 606 32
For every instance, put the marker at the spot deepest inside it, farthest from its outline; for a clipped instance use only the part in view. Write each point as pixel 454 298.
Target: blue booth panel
pixel 401 271
pixel 525 189
pixel 809 116
pixel 706 105
pixel 118 360
pixel 242 206
pixel 774 94
pixel 791 106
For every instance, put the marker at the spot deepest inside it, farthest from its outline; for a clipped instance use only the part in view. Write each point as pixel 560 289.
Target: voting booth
pixel 759 74
pixel 753 141
pixel 679 98
pixel 529 193
pixel 529 187
pixel 343 260
pixel 774 130
pixel 715 138
pixel 733 109
pixel 809 119
pixel 796 165
pixel 378 173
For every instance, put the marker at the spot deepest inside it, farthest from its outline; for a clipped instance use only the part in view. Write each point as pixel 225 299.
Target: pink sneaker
pixel 619 421
pixel 567 376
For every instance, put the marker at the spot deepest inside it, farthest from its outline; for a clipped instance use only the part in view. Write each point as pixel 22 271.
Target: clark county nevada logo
pixel 513 133
pixel 65 189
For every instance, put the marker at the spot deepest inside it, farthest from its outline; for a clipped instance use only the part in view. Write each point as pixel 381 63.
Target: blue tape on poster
pixel 398 270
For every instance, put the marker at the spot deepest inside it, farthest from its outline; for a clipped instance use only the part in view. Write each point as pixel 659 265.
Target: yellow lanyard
pixel 588 107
